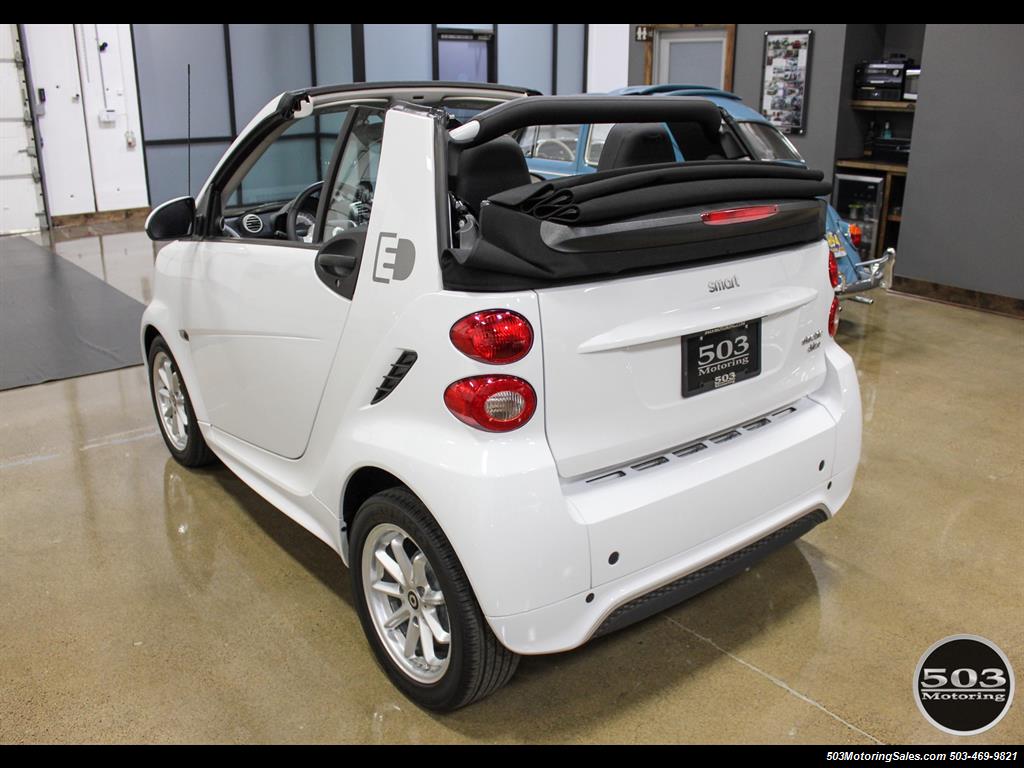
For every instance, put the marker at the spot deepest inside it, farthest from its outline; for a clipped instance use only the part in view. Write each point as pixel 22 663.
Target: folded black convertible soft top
pixel 635 219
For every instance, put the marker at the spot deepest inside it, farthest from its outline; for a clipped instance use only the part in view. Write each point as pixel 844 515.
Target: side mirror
pixel 172 220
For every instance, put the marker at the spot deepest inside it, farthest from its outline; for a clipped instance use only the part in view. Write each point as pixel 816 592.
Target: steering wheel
pixel 296 215
pixel 560 148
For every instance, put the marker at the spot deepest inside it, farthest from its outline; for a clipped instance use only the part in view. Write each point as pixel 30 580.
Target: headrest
pixel 630 144
pixel 492 167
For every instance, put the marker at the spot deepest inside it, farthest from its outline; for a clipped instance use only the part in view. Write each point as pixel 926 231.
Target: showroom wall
pixel 962 223
pixel 237 68
pixel 818 144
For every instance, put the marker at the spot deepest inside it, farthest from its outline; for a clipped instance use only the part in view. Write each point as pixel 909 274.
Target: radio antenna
pixel 188 127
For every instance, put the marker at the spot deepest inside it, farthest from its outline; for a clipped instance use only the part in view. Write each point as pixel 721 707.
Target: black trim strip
pixel 673 593
pixel 231 81
pixel 312 80
pixel 586 54
pixel 435 53
pixel 554 59
pixel 194 140
pixel 413 85
pixel 358 56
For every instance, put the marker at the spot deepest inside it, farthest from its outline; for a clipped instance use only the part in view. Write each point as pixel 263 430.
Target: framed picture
pixel 787 72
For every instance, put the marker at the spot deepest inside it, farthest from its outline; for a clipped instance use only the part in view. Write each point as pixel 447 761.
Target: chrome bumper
pixel 873 274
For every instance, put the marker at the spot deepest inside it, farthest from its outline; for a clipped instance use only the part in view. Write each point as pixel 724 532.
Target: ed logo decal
pixel 395 258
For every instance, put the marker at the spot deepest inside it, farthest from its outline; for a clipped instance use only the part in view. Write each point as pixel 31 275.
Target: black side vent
pixel 398 370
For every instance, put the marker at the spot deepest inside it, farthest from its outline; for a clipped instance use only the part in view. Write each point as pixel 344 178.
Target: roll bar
pixel 563 110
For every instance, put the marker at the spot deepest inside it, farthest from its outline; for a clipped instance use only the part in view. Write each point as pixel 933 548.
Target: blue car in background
pixel 567 150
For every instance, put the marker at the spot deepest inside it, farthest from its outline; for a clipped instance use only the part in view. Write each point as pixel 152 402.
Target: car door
pixel 262 327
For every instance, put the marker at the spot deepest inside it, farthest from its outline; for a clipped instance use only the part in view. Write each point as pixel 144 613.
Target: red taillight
pixel 737 215
pixel 492 403
pixel 855 235
pixel 833 269
pixel 833 317
pixel 493 336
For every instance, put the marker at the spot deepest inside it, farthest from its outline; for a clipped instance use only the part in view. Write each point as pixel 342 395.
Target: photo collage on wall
pixel 787 58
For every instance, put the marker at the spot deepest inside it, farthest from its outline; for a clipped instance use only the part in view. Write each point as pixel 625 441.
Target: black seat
pixel 492 167
pixel 630 144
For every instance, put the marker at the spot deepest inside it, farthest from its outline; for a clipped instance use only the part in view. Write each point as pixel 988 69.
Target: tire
pixel 187 446
pixel 474 663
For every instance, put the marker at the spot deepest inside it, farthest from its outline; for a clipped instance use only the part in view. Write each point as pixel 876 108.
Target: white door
pixel 691 57
pixel 263 327
pixel 53 60
pixel 21 197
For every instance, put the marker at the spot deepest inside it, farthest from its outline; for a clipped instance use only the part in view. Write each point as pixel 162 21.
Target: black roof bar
pixel 561 110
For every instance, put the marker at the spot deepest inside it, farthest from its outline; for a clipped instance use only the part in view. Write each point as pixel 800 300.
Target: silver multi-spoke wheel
pixel 170 400
pixel 406 604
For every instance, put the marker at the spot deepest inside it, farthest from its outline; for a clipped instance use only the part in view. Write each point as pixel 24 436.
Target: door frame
pixel 730 47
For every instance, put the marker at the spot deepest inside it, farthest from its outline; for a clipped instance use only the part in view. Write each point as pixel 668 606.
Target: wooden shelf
pixel 873 165
pixel 883 106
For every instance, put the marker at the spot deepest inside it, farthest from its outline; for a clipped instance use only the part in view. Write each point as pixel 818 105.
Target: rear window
pixel 768 143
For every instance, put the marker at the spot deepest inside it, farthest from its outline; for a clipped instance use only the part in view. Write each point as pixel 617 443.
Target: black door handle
pixel 338 264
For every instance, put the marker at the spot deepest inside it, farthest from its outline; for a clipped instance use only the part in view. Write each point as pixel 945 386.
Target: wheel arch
pixel 361 485
pixel 149 333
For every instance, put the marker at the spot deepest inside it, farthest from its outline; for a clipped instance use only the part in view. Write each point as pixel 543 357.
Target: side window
pixel 528 140
pixel 595 142
pixel 277 180
pixel 551 142
pixel 355 178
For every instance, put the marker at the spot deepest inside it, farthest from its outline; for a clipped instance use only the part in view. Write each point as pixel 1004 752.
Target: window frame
pixel 209 208
pixel 332 169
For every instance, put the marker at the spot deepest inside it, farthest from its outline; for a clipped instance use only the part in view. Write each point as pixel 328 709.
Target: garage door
pixel 21 194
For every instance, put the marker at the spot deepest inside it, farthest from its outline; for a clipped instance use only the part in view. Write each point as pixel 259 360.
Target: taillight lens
pixel 855 235
pixel 833 317
pixel 494 336
pixel 491 403
pixel 833 269
pixel 737 215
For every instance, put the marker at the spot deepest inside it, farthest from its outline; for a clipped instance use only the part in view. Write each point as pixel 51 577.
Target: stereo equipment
pixel 881 79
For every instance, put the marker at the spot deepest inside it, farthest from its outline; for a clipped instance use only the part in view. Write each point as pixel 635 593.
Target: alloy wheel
pixel 170 400
pixel 406 604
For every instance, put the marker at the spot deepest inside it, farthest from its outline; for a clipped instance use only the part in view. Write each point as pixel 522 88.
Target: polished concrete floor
pixel 143 602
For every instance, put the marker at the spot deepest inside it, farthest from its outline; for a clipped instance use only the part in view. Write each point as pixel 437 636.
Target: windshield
pixel 768 143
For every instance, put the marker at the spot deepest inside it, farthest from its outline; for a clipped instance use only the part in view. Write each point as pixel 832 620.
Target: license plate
pixel 719 357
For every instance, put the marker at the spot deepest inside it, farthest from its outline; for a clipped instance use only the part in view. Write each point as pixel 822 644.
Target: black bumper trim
pixel 675 592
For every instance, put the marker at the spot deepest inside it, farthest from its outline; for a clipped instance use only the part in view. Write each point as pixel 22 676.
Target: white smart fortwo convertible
pixel 525 413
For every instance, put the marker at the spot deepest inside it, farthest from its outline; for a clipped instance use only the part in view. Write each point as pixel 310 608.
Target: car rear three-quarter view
pixel 525 413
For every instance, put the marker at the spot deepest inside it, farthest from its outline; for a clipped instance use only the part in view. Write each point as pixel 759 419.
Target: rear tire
pixel 424 591
pixel 173 408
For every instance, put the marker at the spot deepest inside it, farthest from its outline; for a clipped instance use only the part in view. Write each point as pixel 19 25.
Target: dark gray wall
pixel 826 72
pixel 636 58
pixel 863 41
pixel 962 212
pixel 907 39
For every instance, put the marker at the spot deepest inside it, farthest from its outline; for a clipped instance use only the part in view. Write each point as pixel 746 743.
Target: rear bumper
pixel 658 536
pixel 870 274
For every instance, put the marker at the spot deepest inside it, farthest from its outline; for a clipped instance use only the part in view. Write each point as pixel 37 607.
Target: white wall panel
pixel 608 57
pixel 111 107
